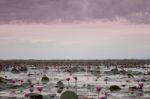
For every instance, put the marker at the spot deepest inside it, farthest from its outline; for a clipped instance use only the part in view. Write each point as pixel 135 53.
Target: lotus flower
pixel 98 89
pixel 40 89
pixel 31 90
pixel 104 96
pixel 75 78
pixel 68 79
pixel 141 85
pixel 13 81
pixel 27 94
pixel 21 81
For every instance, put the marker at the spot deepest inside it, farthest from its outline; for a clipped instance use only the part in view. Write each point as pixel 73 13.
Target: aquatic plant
pixel 45 79
pixel 69 95
pixel 114 88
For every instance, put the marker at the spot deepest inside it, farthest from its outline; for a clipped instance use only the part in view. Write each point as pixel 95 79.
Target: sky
pixel 74 29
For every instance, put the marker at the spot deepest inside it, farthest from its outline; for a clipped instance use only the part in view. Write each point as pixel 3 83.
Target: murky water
pixel 90 79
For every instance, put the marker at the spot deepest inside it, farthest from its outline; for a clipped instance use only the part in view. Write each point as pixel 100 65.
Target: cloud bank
pixel 55 11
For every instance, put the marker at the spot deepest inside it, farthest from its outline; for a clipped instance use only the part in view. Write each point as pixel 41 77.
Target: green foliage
pixel 24 69
pixel 114 88
pixel 69 95
pixel 14 70
pixel 130 75
pixel 60 90
pixel 45 79
pixel 60 84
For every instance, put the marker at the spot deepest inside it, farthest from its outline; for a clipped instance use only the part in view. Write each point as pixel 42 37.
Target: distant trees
pixel 124 63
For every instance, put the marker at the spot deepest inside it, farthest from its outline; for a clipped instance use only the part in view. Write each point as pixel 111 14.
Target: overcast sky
pixel 74 29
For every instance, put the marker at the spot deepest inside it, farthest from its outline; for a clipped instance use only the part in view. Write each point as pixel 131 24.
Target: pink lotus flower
pixel 141 85
pixel 27 94
pixel 21 81
pixel 31 90
pixel 68 79
pixel 104 97
pixel 40 89
pixel 98 89
pixel 13 81
pixel 75 78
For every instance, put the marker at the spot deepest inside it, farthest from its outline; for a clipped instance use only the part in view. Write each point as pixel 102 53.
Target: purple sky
pixel 74 29
pixel 51 11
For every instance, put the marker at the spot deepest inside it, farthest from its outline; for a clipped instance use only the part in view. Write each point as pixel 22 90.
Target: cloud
pixel 55 11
